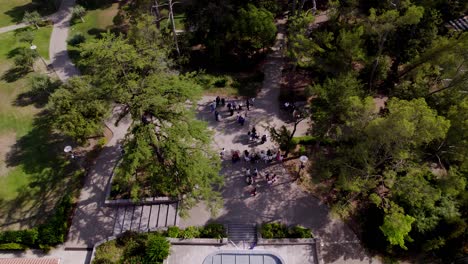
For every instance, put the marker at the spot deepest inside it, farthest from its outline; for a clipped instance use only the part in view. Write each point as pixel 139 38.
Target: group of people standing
pixel 232 106
pixel 253 177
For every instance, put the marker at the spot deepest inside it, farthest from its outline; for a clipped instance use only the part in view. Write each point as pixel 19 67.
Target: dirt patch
pixel 7 141
pixel 380 102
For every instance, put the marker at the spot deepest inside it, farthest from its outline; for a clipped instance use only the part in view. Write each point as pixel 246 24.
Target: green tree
pixel 387 22
pixel 41 84
pixel 32 18
pixel 26 36
pixel 396 227
pixel 164 135
pixel 77 110
pixel 255 28
pixel 332 100
pixel 79 11
pixel 25 59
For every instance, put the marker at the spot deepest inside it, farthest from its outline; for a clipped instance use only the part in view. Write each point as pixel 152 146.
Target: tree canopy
pixel 164 136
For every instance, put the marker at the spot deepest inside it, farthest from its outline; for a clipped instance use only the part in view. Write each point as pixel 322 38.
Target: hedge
pixel 12 246
pixel 43 236
pixel 212 230
pixel 279 230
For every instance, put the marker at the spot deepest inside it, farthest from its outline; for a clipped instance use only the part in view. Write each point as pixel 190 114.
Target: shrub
pixel 134 260
pixel 300 232
pixel 102 261
pixel 274 230
pixel 191 232
pixel 119 19
pixel 12 246
pixel 108 252
pixel 157 248
pixel 53 232
pixel 77 39
pixel 134 248
pixel 221 82
pixel 213 230
pixel 173 231
pixel 305 140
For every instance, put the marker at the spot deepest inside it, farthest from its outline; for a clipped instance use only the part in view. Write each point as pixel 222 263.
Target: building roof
pixel 243 257
pixel 29 261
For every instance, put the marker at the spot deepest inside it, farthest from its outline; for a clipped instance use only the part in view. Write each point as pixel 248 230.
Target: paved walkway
pixel 58 42
pixel 12 27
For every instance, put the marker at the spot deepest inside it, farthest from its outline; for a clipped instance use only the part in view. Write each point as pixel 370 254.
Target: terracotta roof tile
pixel 29 261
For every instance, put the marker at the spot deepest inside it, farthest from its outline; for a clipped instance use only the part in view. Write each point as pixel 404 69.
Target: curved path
pixel 58 42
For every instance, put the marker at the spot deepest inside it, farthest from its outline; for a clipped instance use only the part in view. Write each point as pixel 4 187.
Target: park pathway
pixel 58 53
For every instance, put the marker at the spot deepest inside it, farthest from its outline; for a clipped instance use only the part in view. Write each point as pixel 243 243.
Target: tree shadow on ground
pixel 38 99
pixel 14 74
pixel 17 12
pixel 50 174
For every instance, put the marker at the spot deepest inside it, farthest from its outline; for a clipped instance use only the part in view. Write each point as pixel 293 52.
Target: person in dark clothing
pixel 218 101
pixel 264 139
pixel 216 113
pixel 231 111
pixel 247 103
pixel 223 102
pixel 241 120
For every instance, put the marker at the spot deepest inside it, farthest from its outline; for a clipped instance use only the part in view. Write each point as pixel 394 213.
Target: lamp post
pixel 303 160
pixel 68 149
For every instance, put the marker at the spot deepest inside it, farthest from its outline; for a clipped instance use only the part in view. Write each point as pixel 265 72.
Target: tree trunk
pixel 292 136
pixel 171 17
pixel 376 62
pixel 158 15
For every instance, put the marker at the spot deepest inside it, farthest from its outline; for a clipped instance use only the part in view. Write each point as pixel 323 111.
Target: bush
pixel 300 232
pixel 77 39
pixel 157 248
pixel 54 231
pixel 305 140
pixel 173 231
pixel 279 230
pixel 191 232
pixel 213 230
pixel 46 235
pixel 220 83
pixel 26 237
pixel 274 230
pixel 102 261
pixel 12 246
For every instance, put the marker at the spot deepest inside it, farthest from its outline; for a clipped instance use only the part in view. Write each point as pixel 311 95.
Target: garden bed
pixel 135 246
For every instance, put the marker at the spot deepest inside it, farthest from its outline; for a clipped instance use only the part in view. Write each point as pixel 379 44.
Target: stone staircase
pixel 143 218
pixel 242 233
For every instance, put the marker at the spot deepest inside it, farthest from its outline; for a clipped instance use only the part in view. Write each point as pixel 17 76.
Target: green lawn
pixel 95 22
pixel 12 11
pixel 32 174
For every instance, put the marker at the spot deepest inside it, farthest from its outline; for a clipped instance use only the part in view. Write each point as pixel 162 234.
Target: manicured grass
pixel 34 175
pixel 95 22
pixel 12 11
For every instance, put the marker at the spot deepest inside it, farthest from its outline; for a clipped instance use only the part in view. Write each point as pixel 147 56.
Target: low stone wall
pixel 199 241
